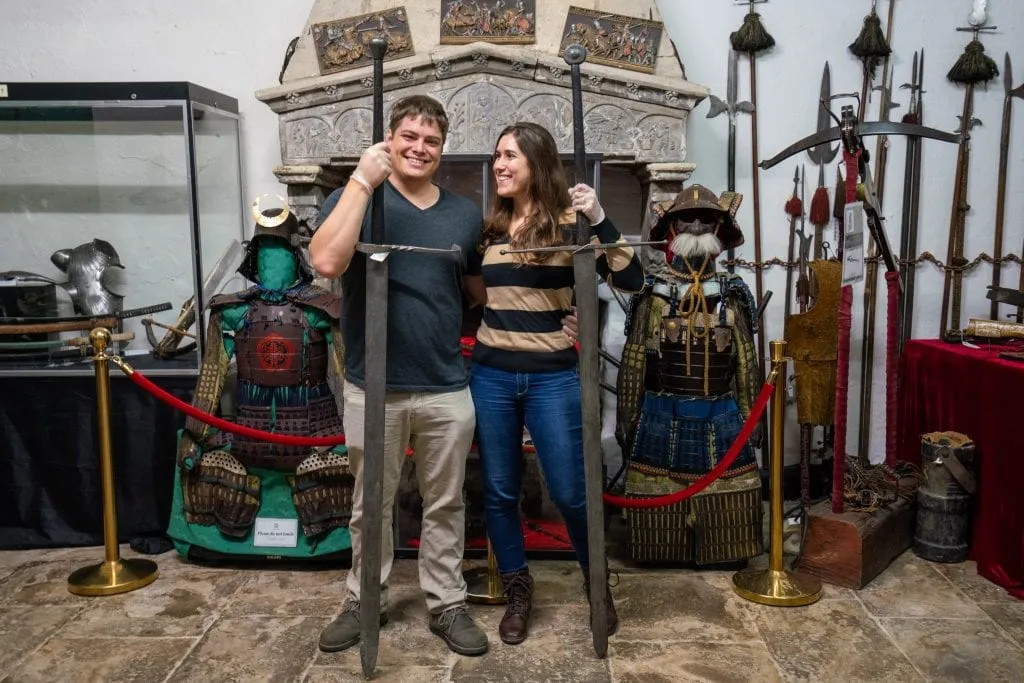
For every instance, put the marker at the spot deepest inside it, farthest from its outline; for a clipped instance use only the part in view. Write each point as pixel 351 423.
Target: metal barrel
pixel 945 498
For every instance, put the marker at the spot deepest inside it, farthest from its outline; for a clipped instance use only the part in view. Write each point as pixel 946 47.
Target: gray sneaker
pixel 459 631
pixel 343 632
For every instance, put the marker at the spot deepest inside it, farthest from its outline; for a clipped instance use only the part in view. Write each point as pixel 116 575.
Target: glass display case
pixel 115 199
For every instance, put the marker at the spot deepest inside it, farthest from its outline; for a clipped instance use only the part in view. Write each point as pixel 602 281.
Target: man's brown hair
pixel 427 108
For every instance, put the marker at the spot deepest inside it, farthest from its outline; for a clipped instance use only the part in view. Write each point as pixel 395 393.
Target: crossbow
pixel 850 132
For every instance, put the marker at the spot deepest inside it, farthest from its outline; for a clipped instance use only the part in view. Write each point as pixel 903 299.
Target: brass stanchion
pixel 114 575
pixel 483 584
pixel 775 585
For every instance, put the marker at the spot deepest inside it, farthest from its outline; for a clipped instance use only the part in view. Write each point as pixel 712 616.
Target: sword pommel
pixel 378 46
pixel 575 54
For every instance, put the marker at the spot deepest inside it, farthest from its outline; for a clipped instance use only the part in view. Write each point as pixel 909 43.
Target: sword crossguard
pixel 384 250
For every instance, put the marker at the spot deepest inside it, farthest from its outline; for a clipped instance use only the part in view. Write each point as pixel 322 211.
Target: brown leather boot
pixel 519 592
pixel 612 616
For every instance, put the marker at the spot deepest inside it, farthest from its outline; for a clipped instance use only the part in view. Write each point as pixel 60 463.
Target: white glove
pixel 584 200
pixel 374 166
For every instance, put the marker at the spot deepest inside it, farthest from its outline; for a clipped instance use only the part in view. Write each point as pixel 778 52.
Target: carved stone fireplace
pixel 636 121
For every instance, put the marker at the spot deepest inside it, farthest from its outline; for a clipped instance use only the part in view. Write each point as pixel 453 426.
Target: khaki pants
pixel 439 428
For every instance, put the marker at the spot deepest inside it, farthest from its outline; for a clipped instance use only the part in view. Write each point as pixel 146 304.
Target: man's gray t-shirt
pixel 425 303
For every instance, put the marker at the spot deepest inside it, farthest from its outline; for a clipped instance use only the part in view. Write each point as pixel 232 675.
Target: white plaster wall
pixel 236 47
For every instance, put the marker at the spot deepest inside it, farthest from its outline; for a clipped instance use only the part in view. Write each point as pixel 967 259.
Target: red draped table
pixel 951 387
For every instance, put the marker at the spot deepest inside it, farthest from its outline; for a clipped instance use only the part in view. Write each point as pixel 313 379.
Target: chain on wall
pixel 925 257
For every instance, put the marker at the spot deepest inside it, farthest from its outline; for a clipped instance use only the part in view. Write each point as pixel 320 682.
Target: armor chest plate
pixel 694 358
pixel 277 347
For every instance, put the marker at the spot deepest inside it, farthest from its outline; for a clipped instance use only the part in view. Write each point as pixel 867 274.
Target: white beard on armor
pixel 690 246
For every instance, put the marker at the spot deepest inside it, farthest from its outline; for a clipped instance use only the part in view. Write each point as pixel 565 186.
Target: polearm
pixel 730 107
pixel 585 275
pixel 1004 153
pixel 821 155
pixel 867 366
pixel 911 202
pixel 971 68
pixel 376 346
pixel 794 207
pixel 751 38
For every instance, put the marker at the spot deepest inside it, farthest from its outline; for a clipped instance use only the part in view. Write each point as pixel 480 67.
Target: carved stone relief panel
pixel 554 113
pixel 478 110
pixel 476 113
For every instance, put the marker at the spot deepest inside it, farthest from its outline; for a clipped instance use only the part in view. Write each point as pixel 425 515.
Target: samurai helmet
pixel 274 222
pixel 698 203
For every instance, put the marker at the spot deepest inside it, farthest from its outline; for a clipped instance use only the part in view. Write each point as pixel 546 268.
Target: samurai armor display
pixel 686 386
pixel 282 334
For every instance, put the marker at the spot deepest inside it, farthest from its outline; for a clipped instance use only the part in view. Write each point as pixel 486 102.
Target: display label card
pixel 3 90
pixel 853 243
pixel 272 532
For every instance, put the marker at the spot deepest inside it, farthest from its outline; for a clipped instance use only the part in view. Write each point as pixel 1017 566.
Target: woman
pixel 524 365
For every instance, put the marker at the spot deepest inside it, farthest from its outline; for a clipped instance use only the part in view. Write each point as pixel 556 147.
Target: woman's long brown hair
pixel 549 195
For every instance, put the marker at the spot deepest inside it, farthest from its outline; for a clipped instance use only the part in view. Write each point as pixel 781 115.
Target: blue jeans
pixel 548 403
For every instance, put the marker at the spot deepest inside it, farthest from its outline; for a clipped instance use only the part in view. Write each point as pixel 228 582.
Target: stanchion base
pixel 111 578
pixel 782 588
pixel 482 588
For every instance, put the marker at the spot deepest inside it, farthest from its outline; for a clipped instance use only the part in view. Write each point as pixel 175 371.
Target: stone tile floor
pixel 916 622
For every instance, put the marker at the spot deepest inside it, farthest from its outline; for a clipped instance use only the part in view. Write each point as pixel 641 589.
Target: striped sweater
pixel 522 329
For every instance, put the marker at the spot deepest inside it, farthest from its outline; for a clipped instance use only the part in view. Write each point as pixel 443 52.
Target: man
pixel 428 401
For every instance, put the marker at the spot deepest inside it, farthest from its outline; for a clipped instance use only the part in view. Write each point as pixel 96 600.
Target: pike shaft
pixel 997 248
pixel 957 223
pixel 867 366
pixel 758 274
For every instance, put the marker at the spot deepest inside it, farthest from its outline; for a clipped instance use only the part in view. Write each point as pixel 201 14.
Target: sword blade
pixel 585 274
pixel 228 261
pixel 375 403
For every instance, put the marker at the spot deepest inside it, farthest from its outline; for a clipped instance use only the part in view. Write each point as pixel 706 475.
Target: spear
pixel 973 67
pixel 730 106
pixel 870 50
pixel 795 209
pixel 751 38
pixel 821 155
pixel 1004 153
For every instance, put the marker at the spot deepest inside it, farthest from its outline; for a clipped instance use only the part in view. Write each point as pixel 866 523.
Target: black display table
pixel 50 493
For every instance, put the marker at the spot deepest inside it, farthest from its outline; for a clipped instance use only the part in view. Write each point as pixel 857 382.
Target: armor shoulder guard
pixel 242 297
pixel 318 298
pixel 735 288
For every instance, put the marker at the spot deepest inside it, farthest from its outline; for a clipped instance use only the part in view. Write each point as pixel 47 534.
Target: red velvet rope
pixel 709 478
pixel 843 356
pixel 219 423
pixel 891 340
pixel 842 396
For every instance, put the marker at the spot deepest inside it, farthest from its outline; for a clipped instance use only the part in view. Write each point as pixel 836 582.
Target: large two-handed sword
pixel 377 252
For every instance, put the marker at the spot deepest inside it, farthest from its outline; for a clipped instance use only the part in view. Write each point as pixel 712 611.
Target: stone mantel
pixel 629 116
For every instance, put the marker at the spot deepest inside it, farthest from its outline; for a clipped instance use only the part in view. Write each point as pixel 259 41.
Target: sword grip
pixel 378 47
pixel 574 56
